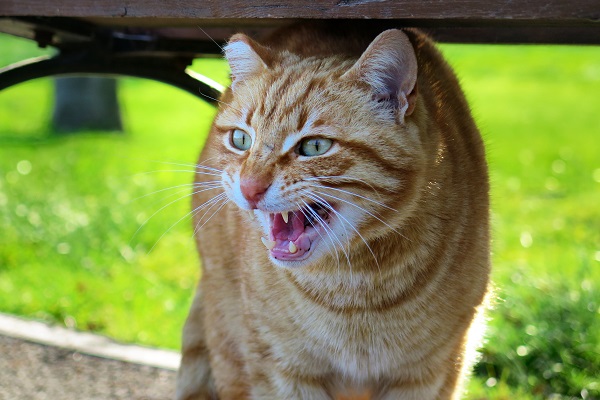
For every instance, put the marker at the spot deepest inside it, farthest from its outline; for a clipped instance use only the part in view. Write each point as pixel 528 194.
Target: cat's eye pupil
pixel 314 146
pixel 240 139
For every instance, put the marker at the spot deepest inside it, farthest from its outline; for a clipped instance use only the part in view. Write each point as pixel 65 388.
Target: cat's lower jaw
pixel 293 236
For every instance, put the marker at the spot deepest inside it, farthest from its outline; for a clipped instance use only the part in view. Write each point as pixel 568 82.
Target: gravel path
pixel 38 372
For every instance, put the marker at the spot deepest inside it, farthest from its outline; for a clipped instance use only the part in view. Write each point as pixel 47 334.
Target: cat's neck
pixel 379 274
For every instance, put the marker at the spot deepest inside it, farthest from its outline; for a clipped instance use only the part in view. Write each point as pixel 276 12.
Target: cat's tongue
pixel 291 241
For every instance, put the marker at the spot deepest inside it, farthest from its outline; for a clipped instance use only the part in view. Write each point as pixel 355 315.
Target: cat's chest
pixel 357 328
pixel 366 345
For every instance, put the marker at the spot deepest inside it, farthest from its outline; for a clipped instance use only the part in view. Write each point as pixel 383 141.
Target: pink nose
pixel 253 190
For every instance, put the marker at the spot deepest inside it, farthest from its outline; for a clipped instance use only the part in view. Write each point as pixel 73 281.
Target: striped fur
pixel 386 306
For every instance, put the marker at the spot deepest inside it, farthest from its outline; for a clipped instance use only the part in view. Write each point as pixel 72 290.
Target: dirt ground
pixel 37 372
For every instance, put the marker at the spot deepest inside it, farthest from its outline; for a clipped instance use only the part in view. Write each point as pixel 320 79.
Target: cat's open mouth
pixel 292 233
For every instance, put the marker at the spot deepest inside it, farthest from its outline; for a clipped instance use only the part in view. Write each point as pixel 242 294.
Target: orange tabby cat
pixel 355 161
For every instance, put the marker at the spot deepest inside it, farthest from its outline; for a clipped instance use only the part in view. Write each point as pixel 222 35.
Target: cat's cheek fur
pixel 230 182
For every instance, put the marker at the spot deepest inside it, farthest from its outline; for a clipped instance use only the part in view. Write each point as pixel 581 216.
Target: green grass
pixel 76 251
pixel 538 111
pixel 76 248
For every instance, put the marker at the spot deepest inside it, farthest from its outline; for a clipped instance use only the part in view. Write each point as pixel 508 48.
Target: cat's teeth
pixel 285 216
pixel 251 214
pixel 269 244
pixel 292 248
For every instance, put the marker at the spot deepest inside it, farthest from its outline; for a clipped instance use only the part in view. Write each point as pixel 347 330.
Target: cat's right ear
pixel 389 67
pixel 244 57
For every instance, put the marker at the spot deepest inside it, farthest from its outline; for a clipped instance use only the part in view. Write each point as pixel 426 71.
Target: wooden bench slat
pixel 581 11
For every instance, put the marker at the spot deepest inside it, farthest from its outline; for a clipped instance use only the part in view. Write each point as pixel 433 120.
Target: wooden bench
pixel 159 39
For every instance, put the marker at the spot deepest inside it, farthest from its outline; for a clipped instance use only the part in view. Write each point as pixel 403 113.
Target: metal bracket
pixel 110 52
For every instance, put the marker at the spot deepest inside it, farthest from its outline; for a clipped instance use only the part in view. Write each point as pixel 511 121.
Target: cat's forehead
pixel 292 101
pixel 284 133
pixel 283 106
pixel 293 98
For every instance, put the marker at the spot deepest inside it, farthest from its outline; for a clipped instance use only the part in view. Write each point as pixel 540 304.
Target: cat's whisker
pixel 358 195
pixel 213 40
pixel 321 201
pixel 185 185
pixel 325 226
pixel 204 188
pixel 224 200
pixel 177 193
pixel 167 205
pixel 206 168
pixel 200 169
pixel 173 225
pixel 345 178
pixel 331 245
pixel 326 204
pixel 360 208
pixel 333 238
pixel 193 165
pixel 215 183
pixel 220 102
pixel 187 171
pixel 209 203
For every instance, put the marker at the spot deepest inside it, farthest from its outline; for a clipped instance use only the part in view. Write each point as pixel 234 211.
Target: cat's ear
pixel 389 66
pixel 245 58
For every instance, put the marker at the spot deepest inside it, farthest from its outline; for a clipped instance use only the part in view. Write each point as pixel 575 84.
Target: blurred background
pixel 95 233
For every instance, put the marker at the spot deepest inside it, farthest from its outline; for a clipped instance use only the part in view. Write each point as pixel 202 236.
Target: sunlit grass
pixel 70 213
pixel 76 248
pixel 81 245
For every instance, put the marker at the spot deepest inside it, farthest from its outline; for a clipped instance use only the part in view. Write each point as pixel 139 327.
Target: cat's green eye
pixel 314 146
pixel 240 139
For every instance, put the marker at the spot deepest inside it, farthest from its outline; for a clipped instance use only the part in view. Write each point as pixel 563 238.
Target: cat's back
pixel 320 39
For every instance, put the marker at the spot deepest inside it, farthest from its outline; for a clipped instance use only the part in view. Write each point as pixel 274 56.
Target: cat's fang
pixel 269 244
pixel 285 216
pixel 292 248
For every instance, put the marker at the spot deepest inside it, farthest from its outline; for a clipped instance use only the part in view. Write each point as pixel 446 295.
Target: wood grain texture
pixel 580 11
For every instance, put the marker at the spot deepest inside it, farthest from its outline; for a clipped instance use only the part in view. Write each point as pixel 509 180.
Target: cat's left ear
pixel 245 57
pixel 389 66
